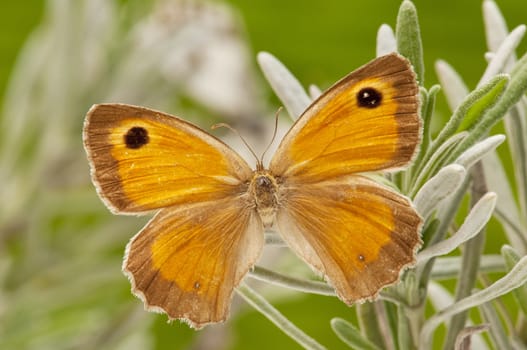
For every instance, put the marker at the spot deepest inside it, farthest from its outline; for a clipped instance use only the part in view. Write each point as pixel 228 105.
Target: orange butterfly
pixel 213 208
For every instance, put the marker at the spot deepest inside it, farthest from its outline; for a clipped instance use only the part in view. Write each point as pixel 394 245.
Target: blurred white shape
pixel 453 85
pixel 386 42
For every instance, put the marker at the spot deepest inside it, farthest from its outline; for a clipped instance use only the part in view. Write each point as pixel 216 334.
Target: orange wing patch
pixel 368 121
pixel 357 233
pixel 187 261
pixel 143 160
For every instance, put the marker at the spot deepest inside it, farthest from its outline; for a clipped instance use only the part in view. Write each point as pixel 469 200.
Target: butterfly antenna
pixel 259 165
pixel 274 133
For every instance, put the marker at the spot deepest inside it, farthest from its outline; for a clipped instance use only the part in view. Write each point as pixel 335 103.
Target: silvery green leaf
pixel 513 92
pixel 285 85
pixel 478 217
pixel 503 54
pixel 488 95
pixel 479 150
pixel 428 100
pixel 452 84
pixel 511 258
pixel 350 335
pixel 446 181
pixel 386 42
pixel 408 37
pixel 515 278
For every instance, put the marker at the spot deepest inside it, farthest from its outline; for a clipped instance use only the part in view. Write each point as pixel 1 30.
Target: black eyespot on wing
pixel 369 97
pixel 136 137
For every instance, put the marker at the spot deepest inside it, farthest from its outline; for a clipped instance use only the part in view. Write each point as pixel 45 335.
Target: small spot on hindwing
pixel 136 137
pixel 369 97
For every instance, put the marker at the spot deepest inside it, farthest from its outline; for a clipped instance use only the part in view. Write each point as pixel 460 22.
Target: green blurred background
pixel 319 41
pixel 322 41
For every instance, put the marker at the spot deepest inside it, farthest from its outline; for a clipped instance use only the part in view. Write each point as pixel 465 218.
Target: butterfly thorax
pixel 264 192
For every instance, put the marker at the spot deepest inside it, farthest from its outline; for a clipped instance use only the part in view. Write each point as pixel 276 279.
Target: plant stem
pixel 471 259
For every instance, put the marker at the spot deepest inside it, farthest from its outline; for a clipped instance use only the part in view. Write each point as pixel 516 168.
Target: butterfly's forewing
pixel 358 234
pixel 188 259
pixel 367 121
pixel 143 159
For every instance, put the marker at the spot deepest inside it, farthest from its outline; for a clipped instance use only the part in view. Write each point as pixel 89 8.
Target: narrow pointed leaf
pixel 511 258
pixel 285 85
pixel 409 38
pixel 487 97
pixel 445 182
pixel 503 54
pixel 426 114
pixel 477 218
pixel 510 96
pixel 479 150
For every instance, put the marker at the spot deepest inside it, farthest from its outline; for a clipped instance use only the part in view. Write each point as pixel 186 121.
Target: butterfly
pixel 212 207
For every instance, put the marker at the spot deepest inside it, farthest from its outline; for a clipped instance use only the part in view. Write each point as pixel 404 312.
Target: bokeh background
pixel 60 249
